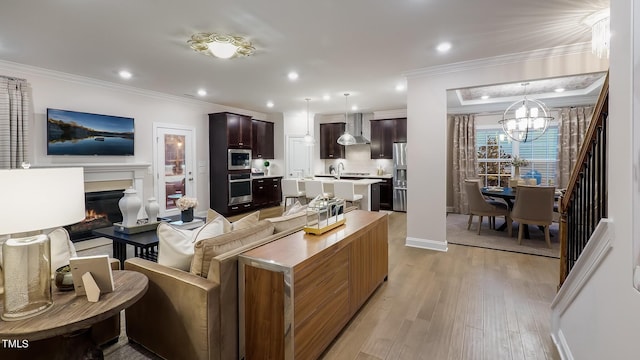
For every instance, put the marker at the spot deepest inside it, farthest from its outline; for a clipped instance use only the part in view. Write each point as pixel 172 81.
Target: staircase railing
pixel 585 201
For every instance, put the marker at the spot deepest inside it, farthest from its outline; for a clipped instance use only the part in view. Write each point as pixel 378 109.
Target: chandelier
pixel 220 45
pixel 308 139
pixel 600 34
pixel 346 138
pixel 526 119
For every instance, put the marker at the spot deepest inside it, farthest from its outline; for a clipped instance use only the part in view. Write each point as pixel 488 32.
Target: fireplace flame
pixel 91 215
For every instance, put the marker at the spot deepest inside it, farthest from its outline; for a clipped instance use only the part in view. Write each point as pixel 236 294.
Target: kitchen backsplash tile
pixel 358 159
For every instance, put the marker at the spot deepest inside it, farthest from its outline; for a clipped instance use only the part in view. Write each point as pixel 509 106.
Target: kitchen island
pixel 361 186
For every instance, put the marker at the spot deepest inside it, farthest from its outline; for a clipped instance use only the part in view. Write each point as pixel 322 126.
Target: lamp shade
pixel 38 199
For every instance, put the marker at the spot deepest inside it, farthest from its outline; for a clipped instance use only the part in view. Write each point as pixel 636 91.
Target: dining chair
pixel 534 206
pixel 490 200
pixel 314 188
pixel 480 207
pixel 291 190
pixel 346 190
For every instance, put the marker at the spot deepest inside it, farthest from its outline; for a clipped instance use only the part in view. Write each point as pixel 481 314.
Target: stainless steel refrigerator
pixel 399 176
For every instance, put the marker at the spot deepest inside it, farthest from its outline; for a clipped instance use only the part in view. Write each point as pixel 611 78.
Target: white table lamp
pixel 34 200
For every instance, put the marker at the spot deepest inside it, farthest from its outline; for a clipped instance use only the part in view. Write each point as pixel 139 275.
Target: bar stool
pixel 291 190
pixel 346 190
pixel 313 188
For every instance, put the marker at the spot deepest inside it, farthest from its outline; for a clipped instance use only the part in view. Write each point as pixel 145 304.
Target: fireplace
pixel 101 209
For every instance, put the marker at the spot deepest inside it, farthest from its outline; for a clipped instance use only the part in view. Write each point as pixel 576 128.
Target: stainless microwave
pixel 239 159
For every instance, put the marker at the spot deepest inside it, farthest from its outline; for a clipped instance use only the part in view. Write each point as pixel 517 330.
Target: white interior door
pixel 298 157
pixel 174 166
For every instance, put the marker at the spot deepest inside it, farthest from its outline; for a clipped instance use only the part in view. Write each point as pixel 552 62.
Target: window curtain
pixel 464 158
pixel 574 122
pixel 15 107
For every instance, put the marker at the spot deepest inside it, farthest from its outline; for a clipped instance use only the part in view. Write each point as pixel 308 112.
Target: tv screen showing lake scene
pixel 78 133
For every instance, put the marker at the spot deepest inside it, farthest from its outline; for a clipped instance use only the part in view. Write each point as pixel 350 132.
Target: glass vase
pixel 27 277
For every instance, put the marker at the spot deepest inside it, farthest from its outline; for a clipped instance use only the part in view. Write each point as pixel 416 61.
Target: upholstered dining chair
pixel 314 188
pixel 480 207
pixel 490 200
pixel 291 190
pixel 534 206
pixel 346 190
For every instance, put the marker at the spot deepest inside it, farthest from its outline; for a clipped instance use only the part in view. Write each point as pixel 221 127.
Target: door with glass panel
pixel 175 168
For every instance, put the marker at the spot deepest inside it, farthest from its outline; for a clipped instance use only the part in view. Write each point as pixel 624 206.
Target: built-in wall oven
pixel 239 159
pixel 240 188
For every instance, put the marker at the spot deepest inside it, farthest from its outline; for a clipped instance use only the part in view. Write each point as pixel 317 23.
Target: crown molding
pixel 565 50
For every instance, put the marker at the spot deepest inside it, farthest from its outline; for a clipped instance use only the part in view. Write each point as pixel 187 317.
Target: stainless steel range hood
pixel 357 129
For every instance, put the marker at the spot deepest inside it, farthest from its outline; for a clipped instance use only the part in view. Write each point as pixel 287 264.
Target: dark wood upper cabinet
pixel 384 133
pixel 262 142
pixel 329 147
pixel 239 129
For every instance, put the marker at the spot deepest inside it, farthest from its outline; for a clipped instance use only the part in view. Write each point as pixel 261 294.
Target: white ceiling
pixel 357 46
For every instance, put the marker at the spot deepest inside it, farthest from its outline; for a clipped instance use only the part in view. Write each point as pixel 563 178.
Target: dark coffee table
pixel 145 244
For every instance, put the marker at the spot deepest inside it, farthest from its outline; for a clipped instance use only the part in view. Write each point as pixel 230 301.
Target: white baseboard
pixel 562 346
pixel 426 244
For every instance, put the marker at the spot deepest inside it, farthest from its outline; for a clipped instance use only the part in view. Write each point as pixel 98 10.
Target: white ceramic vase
pixel 129 206
pixel 152 208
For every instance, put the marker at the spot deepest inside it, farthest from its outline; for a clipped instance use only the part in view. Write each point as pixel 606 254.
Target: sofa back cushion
pixel 209 248
pixel 286 222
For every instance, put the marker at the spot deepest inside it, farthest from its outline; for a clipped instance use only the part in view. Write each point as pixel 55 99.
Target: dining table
pixel 508 194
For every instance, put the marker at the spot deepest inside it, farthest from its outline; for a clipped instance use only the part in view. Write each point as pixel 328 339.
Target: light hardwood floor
pixel 467 303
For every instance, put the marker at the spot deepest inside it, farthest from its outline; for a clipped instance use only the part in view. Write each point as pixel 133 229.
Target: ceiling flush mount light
pixel 308 139
pixel 346 138
pixel 600 34
pixel 526 119
pixel 222 46
pixel 293 76
pixel 202 92
pixel 269 104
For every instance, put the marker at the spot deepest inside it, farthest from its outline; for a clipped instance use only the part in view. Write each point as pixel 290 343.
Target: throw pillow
pixel 207 249
pixel 62 249
pixel 176 246
pixel 212 215
pixel 247 221
pixel 296 208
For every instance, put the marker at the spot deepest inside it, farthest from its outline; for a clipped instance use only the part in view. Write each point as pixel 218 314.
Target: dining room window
pixel 494 153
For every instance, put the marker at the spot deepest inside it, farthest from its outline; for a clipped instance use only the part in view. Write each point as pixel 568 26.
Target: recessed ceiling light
pixel 559 90
pixel 354 107
pixel 326 97
pixel 269 104
pixel 400 87
pixel 202 92
pixel 443 47
pixel 484 97
pixel 125 74
pixel 293 76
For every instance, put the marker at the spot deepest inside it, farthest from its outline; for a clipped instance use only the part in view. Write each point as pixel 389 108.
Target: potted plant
pixel 266 167
pixel 516 162
pixel 186 205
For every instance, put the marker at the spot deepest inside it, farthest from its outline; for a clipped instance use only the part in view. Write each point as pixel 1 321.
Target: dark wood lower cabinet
pixel 386 194
pixel 266 192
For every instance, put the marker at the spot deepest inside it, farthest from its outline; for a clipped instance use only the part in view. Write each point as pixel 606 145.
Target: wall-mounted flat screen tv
pixel 79 133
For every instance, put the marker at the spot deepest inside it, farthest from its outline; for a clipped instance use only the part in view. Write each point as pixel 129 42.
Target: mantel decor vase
pixel 129 205
pixel 152 208
pixel 186 215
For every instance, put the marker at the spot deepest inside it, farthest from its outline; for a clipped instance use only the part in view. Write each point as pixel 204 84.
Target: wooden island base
pixel 298 292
